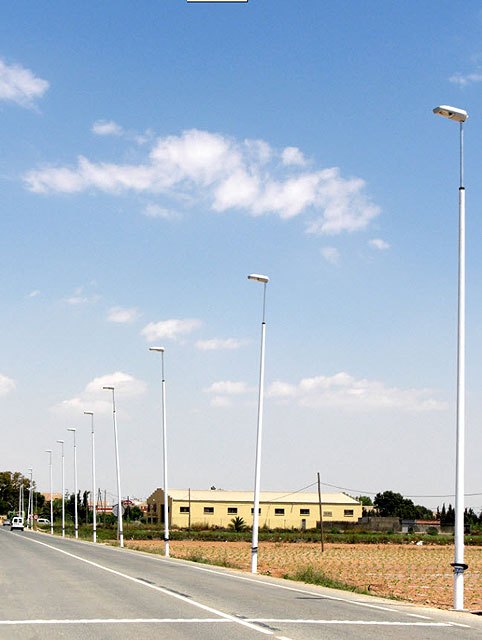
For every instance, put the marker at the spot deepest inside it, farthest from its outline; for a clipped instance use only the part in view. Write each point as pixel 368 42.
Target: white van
pixel 17 523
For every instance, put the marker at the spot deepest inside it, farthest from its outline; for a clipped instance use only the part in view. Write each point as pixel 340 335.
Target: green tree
pixel 10 483
pixel 133 513
pixel 395 505
pixel 237 524
pixel 366 501
pixel 447 516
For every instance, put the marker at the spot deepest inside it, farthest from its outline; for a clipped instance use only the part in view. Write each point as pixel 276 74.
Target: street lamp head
pixel 48 450
pixel 259 278
pixel 88 413
pixel 71 429
pixel 452 113
pixel 60 441
pixel 108 388
pixel 159 349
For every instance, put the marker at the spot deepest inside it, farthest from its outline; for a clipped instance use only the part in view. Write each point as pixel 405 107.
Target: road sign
pixel 115 510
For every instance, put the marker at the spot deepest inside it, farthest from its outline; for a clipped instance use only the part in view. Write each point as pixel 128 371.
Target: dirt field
pixel 418 574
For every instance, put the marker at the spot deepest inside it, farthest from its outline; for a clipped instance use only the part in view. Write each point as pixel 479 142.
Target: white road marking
pixel 177 596
pixel 118 621
pixel 415 615
pixel 376 623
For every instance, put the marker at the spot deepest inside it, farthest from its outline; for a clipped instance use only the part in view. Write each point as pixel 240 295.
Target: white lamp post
pixel 94 512
pixel 119 494
pixel 61 442
pixel 49 451
pixel 257 475
pixel 460 116
pixel 76 514
pixel 30 502
pixel 164 448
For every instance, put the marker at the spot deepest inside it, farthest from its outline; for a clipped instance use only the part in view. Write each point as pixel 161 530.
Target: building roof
pixel 220 495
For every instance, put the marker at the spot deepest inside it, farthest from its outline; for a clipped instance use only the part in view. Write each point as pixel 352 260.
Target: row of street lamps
pixel 94 511
pixel 254 547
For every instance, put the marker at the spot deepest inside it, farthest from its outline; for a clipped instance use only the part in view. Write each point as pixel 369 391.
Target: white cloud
pixel 331 255
pixel 124 384
pixel 107 128
pixel 380 244
pixel 280 389
pixel 258 151
pixel 197 156
pixel 79 297
pixel 153 210
pixel 228 388
pixel 220 402
pixel 34 294
pixel 217 344
pixel 225 174
pixel 7 385
pixel 123 315
pixel 293 156
pixel 170 329
pixel 95 398
pixel 19 85
pixel 343 391
pixel 464 79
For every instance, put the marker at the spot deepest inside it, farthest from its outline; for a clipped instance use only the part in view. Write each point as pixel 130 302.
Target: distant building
pixel 216 507
pixel 55 496
pixel 420 526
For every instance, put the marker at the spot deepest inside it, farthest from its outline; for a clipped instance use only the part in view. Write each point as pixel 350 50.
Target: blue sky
pixel 154 155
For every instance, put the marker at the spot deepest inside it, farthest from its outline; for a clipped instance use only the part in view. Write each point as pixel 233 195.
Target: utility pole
pixel 321 513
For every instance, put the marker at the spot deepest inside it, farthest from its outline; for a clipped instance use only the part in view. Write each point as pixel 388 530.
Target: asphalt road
pixel 54 588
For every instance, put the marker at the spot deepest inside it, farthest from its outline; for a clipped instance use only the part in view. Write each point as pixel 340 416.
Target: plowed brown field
pixel 418 574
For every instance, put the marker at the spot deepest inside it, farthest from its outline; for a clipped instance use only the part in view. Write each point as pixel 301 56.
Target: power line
pixel 297 491
pixel 373 493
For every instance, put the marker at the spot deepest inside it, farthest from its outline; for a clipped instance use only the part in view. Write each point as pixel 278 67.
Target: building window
pixel 232 510
pixel 328 514
pixel 304 512
pixel 279 512
pixel 348 513
pixel 184 509
pixel 252 510
pixel 208 509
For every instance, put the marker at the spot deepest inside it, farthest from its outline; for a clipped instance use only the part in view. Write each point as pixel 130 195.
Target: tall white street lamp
pixel 49 451
pixel 30 502
pixel 76 511
pixel 119 494
pixel 61 442
pixel 164 449
pixel 257 475
pixel 21 502
pixel 460 116
pixel 94 511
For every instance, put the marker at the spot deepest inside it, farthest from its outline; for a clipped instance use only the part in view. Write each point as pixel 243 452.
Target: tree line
pixel 391 504
pixel 10 486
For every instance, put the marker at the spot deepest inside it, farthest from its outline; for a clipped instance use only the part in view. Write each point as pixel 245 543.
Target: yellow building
pixel 216 507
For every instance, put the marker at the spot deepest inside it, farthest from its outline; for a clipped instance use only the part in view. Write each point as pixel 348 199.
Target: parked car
pixel 17 523
pixel 6 522
pixel 43 521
